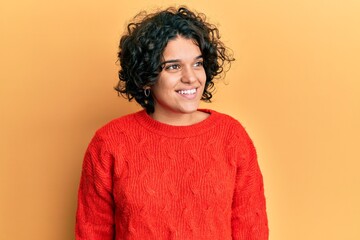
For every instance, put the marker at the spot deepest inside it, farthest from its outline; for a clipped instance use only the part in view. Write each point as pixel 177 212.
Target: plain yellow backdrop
pixel 295 86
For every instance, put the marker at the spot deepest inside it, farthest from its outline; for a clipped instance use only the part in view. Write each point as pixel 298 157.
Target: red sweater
pixel 143 179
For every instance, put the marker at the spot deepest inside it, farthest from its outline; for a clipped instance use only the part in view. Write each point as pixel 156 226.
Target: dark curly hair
pixel 141 48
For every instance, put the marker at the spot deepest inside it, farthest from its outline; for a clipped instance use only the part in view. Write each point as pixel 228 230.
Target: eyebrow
pixel 177 60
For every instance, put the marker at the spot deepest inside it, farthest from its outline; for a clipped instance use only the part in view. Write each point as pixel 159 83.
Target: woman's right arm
pixel 95 211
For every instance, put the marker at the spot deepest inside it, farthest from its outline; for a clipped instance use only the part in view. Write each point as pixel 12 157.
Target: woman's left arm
pixel 249 218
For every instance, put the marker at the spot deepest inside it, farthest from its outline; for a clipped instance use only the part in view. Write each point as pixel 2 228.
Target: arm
pixel 95 212
pixel 249 219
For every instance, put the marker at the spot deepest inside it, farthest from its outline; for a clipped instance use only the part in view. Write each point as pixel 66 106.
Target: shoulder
pixel 236 132
pixel 227 121
pixel 239 143
pixel 115 131
pixel 118 124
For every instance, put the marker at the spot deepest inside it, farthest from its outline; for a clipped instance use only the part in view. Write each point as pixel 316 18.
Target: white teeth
pixel 187 92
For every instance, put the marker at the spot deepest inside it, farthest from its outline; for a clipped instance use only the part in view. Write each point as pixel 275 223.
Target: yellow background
pixel 295 86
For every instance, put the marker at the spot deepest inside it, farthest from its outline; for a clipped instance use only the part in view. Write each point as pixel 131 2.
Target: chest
pixel 156 172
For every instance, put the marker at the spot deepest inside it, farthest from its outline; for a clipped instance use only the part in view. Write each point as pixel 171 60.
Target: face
pixel 181 83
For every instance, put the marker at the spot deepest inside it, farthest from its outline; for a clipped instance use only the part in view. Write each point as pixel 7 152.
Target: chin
pixel 189 110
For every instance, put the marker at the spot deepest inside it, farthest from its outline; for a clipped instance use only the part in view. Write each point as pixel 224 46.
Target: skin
pixel 180 85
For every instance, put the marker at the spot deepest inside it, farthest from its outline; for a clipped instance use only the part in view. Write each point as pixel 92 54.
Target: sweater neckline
pixel 178 131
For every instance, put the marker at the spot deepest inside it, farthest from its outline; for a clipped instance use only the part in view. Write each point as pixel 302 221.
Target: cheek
pixel 163 85
pixel 202 76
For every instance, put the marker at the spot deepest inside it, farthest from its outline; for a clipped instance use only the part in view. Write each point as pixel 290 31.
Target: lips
pixel 187 92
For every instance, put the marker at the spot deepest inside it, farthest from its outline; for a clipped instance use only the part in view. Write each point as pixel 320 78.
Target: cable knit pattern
pixel 143 179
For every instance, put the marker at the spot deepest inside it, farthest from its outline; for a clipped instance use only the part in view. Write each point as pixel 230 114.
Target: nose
pixel 188 75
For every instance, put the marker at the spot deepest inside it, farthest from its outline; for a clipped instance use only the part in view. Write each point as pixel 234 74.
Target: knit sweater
pixel 143 179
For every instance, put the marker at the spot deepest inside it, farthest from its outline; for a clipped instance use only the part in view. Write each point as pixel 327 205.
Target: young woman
pixel 171 171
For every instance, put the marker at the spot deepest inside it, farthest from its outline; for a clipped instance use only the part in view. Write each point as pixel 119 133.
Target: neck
pixel 180 119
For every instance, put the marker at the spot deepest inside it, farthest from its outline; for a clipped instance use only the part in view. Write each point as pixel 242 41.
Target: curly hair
pixel 141 49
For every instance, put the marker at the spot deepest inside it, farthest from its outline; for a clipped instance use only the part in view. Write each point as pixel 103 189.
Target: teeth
pixel 187 92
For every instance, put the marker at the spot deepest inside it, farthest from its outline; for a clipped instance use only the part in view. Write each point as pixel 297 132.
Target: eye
pixel 172 67
pixel 199 64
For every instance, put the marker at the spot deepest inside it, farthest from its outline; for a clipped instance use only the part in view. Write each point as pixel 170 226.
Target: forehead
pixel 181 48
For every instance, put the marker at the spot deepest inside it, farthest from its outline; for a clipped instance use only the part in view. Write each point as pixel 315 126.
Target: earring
pixel 147 92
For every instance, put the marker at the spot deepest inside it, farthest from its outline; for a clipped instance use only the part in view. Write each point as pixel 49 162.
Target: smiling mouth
pixel 187 92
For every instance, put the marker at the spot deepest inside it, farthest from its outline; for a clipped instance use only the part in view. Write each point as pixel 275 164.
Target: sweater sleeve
pixel 249 218
pixel 95 211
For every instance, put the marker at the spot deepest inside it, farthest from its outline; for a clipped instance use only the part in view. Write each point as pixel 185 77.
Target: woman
pixel 171 171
